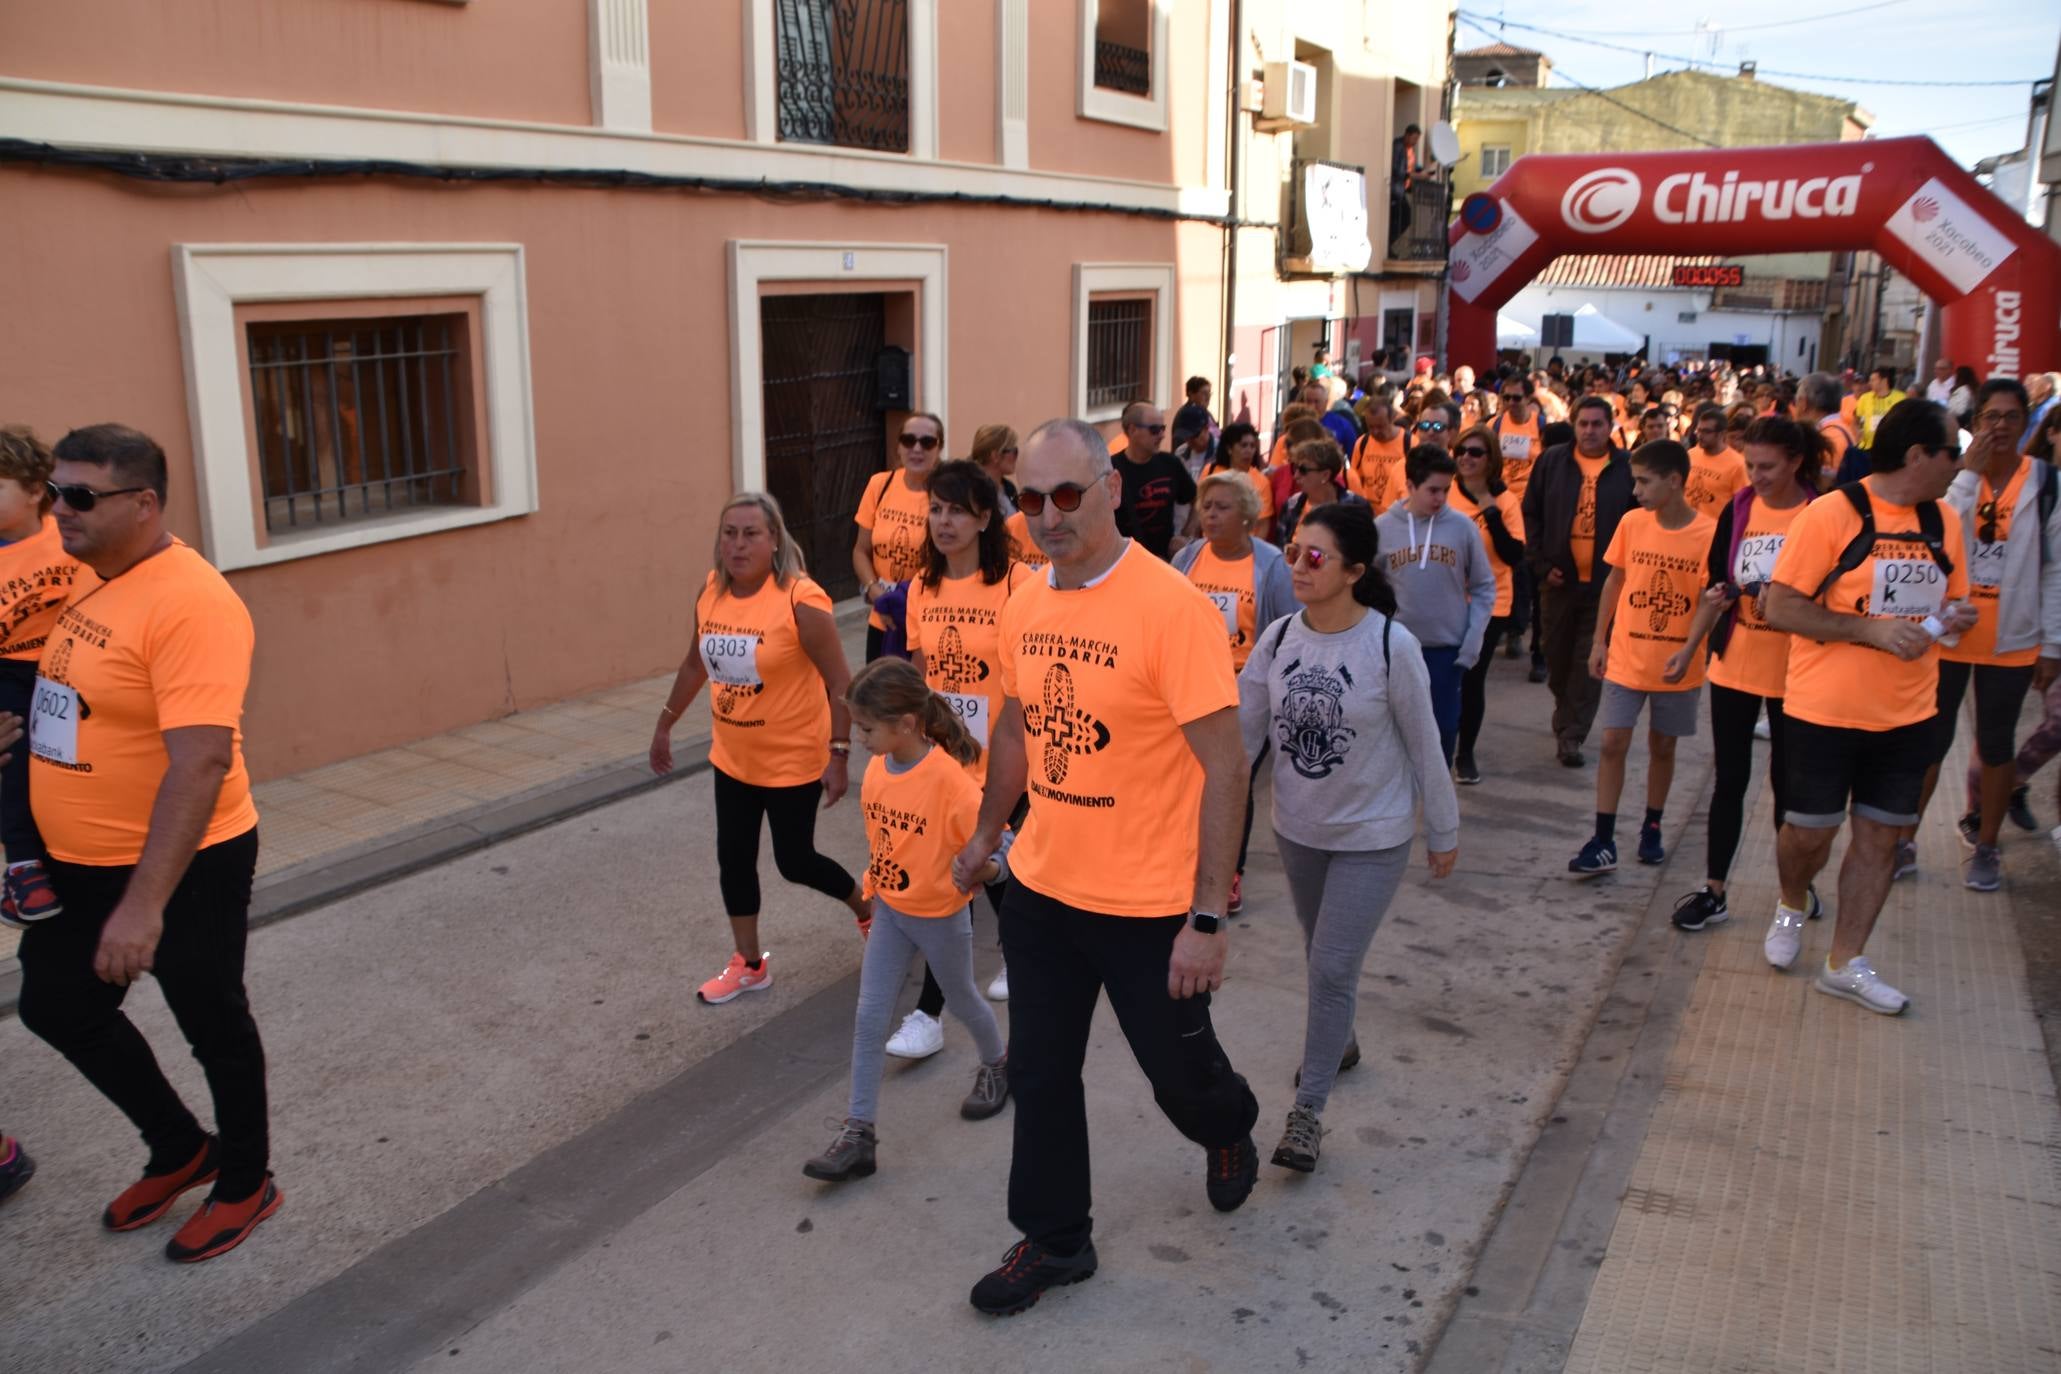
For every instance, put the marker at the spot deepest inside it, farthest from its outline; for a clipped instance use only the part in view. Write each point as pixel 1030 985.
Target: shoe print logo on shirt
pixel 956 670
pixel 732 696
pixel 887 875
pixel 1585 512
pixel 1661 601
pixel 1066 728
pixel 1310 726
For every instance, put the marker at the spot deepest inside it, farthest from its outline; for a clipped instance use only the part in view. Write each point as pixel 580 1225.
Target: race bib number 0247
pixel 1907 588
pixel 54 722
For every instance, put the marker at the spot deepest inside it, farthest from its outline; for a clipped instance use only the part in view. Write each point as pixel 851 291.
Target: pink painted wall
pixel 628 302
pixel 968 82
pixel 697 68
pixel 1060 140
pixel 506 59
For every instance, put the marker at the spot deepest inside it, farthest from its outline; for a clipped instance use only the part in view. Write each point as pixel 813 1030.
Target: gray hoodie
pixel 1445 588
pixel 2027 568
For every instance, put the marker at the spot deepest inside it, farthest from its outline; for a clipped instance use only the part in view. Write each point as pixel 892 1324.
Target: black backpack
pixel 1281 633
pixel 1931 532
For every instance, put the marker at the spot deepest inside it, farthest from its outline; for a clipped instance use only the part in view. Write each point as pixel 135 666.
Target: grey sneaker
pixel 1858 982
pixel 849 1156
pixel 1300 1140
pixel 1906 860
pixel 990 1091
pixel 1984 870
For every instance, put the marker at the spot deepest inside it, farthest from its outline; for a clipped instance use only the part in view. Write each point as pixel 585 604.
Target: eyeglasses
pixel 1431 426
pixel 1987 514
pixel 1297 555
pixel 1512 396
pixel 1154 430
pixel 2000 417
pixel 83 499
pixel 1305 470
pixel 1066 496
pixel 1473 451
pixel 926 442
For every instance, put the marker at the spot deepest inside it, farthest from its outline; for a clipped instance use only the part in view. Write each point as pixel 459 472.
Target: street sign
pixel 1481 213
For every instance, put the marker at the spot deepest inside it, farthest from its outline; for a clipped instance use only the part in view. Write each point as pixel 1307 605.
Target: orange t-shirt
pixel 1022 547
pixel 1854 685
pixel 1108 675
pixel 916 823
pixel 1665 572
pixel 957 629
pixel 1581 540
pixel 35 577
pixel 1262 485
pixel 164 646
pixel 1513 521
pixel 1756 657
pixel 1521 447
pixel 1367 474
pixel 1713 481
pixel 898 517
pixel 769 710
pixel 1838 438
pixel 1229 588
pixel 1985 571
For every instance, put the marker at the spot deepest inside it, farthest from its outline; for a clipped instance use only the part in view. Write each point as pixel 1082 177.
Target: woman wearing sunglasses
pixel 1247 580
pixel 1340 693
pixel 1319 481
pixel 891 519
pixel 994 450
pixel 1480 495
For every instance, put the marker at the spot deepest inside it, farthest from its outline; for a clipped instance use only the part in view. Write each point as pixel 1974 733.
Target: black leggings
pixel 1474 686
pixel 1732 715
pixel 17 826
pixel 791 812
pixel 1999 695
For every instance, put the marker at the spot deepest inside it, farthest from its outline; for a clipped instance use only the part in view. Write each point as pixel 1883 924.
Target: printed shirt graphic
pixel 164 646
pixel 958 628
pixel 1665 572
pixel 1151 490
pixel 1310 725
pixel 1229 588
pixel 1513 521
pixel 35 578
pixel 1107 675
pixel 1713 481
pixel 1022 547
pixel 1367 475
pixel 1262 488
pixel 1985 560
pixel 898 518
pixel 1581 539
pixel 916 824
pixel 1756 657
pixel 1521 448
pixel 770 715
pixel 1854 685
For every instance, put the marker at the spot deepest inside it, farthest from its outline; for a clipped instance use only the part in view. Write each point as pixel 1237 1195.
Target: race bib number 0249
pixel 1907 588
pixel 731 659
pixel 1756 560
pixel 54 722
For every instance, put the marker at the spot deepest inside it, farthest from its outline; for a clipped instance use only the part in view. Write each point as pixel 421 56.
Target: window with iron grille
pixel 359 418
pixel 1123 46
pixel 843 72
pixel 1495 160
pixel 1119 351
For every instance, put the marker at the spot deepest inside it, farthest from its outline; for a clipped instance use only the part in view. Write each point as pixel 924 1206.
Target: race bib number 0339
pixel 1907 588
pixel 972 710
pixel 54 722
pixel 731 659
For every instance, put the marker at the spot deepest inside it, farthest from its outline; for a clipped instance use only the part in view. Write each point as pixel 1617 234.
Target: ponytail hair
pixel 889 688
pixel 1352 526
pixel 1805 443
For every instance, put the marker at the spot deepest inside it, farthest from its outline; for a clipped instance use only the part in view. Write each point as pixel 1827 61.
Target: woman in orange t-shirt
pixel 779 732
pixel 921 806
pixel 1479 494
pixel 1239 445
pixel 889 548
pixel 35 578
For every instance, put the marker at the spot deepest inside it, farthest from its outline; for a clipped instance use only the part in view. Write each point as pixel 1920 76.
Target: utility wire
pixel 1764 71
pixel 1604 95
pixel 1738 28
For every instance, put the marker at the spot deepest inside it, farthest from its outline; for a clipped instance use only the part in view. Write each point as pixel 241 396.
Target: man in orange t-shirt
pixel 145 807
pixel 1120 714
pixel 1715 472
pixel 35 577
pixel 1863 683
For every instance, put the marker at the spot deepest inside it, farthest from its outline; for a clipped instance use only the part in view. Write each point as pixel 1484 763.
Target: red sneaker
pixel 219 1227
pixel 151 1196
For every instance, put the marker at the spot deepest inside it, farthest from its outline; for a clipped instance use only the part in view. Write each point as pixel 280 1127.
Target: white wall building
pixel 1769 317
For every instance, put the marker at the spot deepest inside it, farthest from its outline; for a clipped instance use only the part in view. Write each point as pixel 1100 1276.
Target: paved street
pixel 510 1138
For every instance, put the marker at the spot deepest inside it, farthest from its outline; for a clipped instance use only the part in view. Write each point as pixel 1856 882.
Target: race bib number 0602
pixel 54 722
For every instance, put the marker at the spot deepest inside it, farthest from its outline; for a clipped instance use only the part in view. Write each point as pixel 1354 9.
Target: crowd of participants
pixel 1073 639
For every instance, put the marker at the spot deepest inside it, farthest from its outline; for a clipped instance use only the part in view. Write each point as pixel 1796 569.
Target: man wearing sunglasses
pixel 1157 486
pixel 139 788
pixel 1120 712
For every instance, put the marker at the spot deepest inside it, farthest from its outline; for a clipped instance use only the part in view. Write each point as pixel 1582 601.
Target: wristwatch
pixel 1206 922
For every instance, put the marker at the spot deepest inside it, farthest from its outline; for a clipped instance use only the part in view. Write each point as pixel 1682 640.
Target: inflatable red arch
pixel 1997 278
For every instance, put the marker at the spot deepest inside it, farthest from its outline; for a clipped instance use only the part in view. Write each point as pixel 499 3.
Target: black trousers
pixel 1060 960
pixel 790 812
pixel 1474 684
pixel 1999 694
pixel 17 824
pixel 1569 615
pixel 199 966
pixel 1732 715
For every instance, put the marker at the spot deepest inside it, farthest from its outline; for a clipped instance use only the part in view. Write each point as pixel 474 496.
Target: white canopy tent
pixel 1596 332
pixel 1514 333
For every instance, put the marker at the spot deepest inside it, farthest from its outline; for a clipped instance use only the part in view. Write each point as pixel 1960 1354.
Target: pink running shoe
pixel 737 977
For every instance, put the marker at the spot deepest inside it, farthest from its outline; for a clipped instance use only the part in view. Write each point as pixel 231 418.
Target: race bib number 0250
pixel 54 722
pixel 1907 588
pixel 731 659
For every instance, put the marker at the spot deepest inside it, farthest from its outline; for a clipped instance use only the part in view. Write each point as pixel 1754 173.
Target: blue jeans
pixel 1447 677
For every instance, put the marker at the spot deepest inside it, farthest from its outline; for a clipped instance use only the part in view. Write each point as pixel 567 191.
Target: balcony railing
pixel 843 69
pixel 1417 223
pixel 1118 68
pixel 1326 214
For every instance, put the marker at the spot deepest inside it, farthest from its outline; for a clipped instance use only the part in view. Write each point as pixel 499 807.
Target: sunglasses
pixel 1431 426
pixel 83 499
pixel 1066 496
pixel 926 442
pixel 1514 397
pixel 1307 471
pixel 1986 513
pixel 1151 429
pixel 1473 451
pixel 1297 555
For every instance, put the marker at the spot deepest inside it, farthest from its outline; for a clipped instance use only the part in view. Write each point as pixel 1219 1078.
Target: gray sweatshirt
pixel 1355 742
pixel 1444 586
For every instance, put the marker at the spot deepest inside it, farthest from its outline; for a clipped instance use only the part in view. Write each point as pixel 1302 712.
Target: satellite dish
pixel 1445 144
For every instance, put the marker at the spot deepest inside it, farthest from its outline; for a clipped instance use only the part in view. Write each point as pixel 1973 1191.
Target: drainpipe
pixel 1234 155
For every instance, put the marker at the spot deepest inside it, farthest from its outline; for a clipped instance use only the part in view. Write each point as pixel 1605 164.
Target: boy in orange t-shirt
pixel 35 578
pixel 1643 652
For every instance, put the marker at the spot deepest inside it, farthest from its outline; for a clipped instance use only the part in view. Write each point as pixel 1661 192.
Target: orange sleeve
pixel 1266 494
pixel 1957 580
pixel 1615 554
pixel 869 504
pixel 1809 551
pixel 1194 667
pixel 199 652
pixel 1006 644
pixel 806 592
pixel 1513 515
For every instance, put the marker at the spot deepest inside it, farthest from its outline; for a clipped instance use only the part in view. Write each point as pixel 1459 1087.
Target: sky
pixel 1904 40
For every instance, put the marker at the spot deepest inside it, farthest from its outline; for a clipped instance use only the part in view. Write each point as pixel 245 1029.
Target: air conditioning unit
pixel 1291 95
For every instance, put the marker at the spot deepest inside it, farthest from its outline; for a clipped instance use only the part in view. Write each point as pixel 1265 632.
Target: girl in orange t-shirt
pixel 780 735
pixel 35 578
pixel 921 806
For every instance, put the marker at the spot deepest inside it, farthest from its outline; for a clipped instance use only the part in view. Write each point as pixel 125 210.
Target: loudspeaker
pixel 892 389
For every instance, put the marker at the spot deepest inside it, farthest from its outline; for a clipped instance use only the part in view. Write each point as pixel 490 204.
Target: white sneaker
pixel 998 991
pixel 1760 729
pixel 1858 982
pixel 1784 937
pixel 919 1038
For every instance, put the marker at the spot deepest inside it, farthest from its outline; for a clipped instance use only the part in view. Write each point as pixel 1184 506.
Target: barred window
pixel 843 72
pixel 359 418
pixel 1119 351
pixel 1123 46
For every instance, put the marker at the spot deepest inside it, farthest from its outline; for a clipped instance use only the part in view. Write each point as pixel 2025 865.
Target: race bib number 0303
pixel 731 659
pixel 1907 588
pixel 54 722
